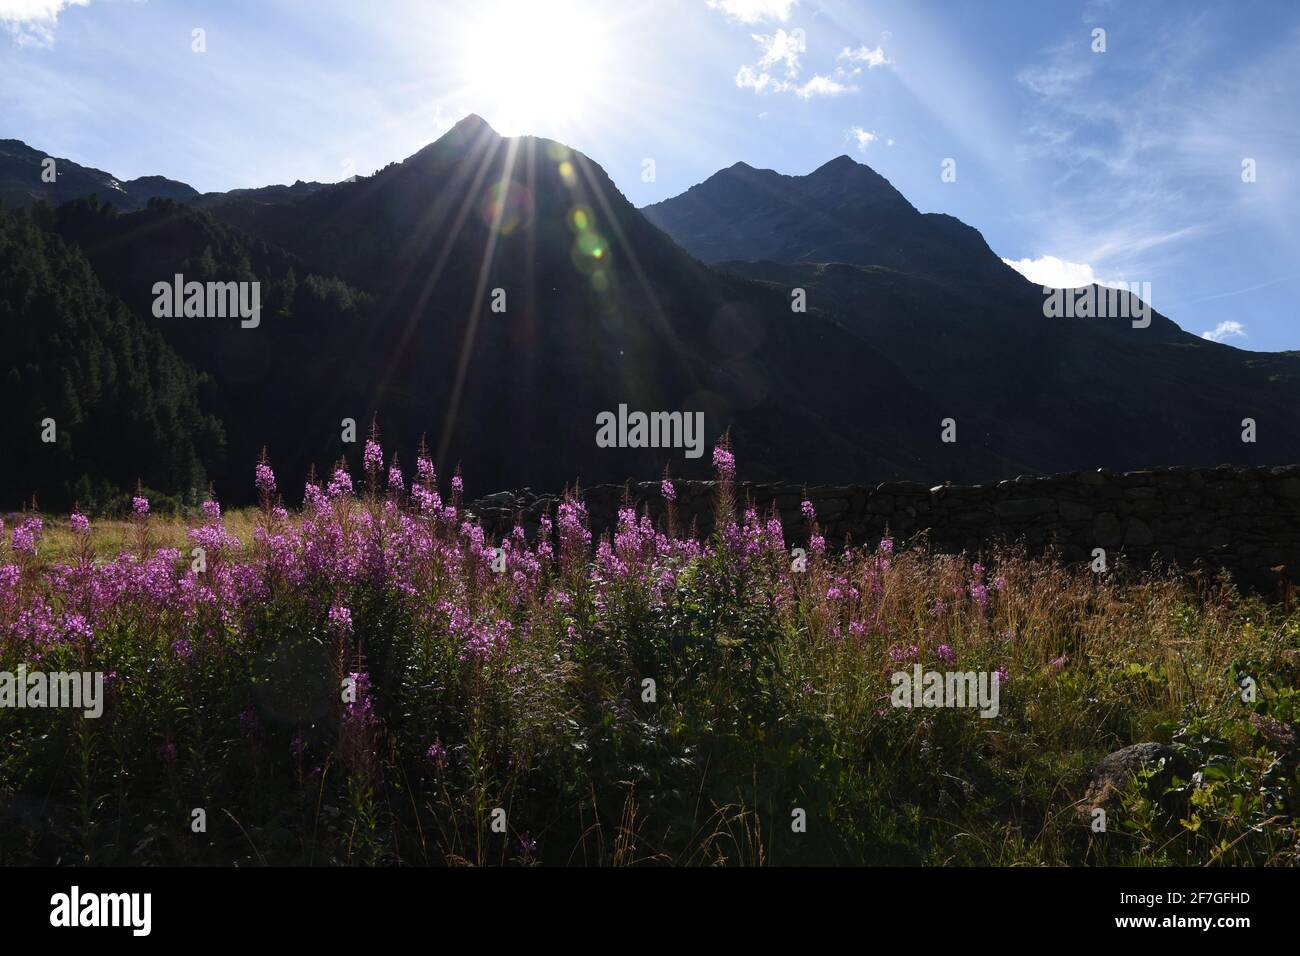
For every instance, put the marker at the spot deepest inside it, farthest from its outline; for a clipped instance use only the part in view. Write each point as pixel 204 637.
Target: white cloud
pixel 862 137
pixel 872 58
pixel 822 86
pixel 1054 273
pixel 782 47
pixel 749 78
pixel 32 22
pixel 754 11
pixel 1225 330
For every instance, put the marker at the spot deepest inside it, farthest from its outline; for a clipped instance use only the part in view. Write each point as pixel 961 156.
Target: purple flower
pixel 438 754
pixel 26 536
pixel 340 484
pixel 341 620
pixel 265 480
pixel 946 654
pixel 140 505
pixel 724 462
pixel 1003 676
pixel 667 490
pixel 211 510
pixel 182 649
pixel 373 457
pixel 80 523
pixel 809 512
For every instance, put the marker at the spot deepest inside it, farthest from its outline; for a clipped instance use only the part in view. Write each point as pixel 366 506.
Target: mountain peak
pixel 472 123
pixel 841 163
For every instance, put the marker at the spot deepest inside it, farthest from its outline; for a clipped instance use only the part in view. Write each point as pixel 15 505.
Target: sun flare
pixel 530 65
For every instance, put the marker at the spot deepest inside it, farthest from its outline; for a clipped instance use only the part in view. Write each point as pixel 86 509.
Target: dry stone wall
pixel 1246 520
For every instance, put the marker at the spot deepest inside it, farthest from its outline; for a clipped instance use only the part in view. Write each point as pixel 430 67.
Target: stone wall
pixel 1246 520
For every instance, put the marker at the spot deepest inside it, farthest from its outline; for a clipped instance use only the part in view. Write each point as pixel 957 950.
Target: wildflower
pixel 340 484
pixel 26 536
pixel 1003 676
pixel 946 654
pixel 182 649
pixel 360 710
pixel 211 510
pixel 724 462
pixel 667 490
pixel 80 523
pixel 340 619
pixel 887 546
pixel 1000 583
pixel 265 479
pixel 140 505
pixel 438 754
pixel 809 512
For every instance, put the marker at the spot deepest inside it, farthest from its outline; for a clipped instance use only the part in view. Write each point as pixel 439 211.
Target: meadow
pixel 370 680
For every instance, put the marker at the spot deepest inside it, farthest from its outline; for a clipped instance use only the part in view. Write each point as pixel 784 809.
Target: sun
pixel 532 65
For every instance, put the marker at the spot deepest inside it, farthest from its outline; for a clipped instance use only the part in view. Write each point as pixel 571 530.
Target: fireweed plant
pixel 370 681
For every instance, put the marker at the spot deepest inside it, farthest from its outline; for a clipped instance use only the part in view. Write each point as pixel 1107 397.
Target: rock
pixel 1073 511
pixel 1106 530
pixel 1115 770
pixel 1137 534
pixel 1024 507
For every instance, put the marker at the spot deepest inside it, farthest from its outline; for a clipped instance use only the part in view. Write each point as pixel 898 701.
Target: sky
pixel 1162 149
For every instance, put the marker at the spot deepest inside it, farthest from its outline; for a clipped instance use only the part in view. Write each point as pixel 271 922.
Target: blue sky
pixel 1115 166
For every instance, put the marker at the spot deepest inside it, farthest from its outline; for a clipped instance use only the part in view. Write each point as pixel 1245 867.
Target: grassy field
pixel 371 682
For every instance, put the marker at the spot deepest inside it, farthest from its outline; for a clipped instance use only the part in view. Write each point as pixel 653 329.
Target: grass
pixel 363 684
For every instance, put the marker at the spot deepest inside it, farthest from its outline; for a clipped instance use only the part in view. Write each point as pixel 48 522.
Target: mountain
pixel 601 310
pixel 494 296
pixel 842 212
pixel 94 399
pixel 598 309
pixel 22 181
pixel 926 291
